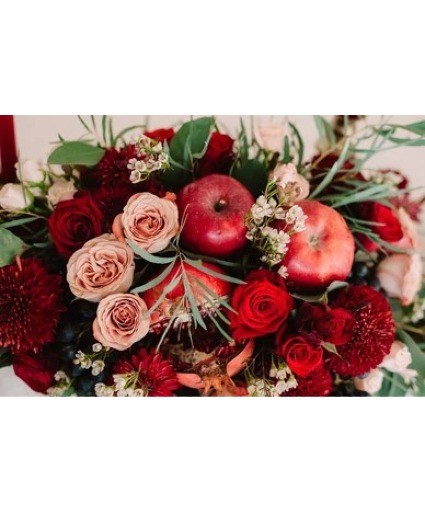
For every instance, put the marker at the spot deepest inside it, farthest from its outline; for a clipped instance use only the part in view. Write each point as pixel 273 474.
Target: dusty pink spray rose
pixel 401 276
pixel 121 321
pixel 101 267
pixel 291 186
pixel 148 221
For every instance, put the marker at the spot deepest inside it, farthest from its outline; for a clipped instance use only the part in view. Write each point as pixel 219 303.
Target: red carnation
pixel 263 305
pixel 36 370
pixel 389 230
pixel 155 373
pixel 219 156
pixel 73 223
pixel 161 135
pixel 317 384
pixel 373 334
pixel 320 323
pixel 30 305
pixel 301 356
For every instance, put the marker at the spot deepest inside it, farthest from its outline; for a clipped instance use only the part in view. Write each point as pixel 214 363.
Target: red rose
pixel 74 222
pixel 320 323
pixel 161 135
pixel 301 356
pixel 390 229
pixel 35 370
pixel 263 304
pixel 218 157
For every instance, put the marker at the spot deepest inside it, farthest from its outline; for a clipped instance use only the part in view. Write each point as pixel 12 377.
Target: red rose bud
pixel 389 230
pixel 319 324
pixel 263 305
pixel 36 370
pixel 73 223
pixel 161 135
pixel 301 356
pixel 219 156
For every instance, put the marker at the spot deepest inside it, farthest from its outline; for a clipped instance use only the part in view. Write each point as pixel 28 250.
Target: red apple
pixel 321 254
pixel 215 208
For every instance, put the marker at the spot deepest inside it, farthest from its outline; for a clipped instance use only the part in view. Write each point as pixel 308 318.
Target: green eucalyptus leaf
pixel 10 247
pixel 151 258
pixel 156 280
pixel 300 147
pixel 213 273
pixel 287 151
pixel 326 133
pixel 332 172
pixel 76 153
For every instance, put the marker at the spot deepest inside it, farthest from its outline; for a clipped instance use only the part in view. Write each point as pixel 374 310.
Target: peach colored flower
pixel 101 267
pixel 372 383
pixel 121 321
pixel 148 221
pixel 410 238
pixel 401 276
pixel 291 186
pixel 270 137
pixel 398 359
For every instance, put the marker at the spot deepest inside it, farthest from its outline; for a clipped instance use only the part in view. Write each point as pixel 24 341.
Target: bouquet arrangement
pixel 190 262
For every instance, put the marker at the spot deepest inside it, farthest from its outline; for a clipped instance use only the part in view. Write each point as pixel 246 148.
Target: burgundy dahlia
pixel 317 384
pixel 30 305
pixel 374 331
pixel 156 373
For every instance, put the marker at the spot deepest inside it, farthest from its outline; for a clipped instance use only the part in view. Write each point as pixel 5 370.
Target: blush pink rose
pixel 399 358
pixel 121 321
pixel 270 137
pixel 410 238
pixel 400 276
pixel 148 221
pixel 372 383
pixel 101 267
pixel 291 186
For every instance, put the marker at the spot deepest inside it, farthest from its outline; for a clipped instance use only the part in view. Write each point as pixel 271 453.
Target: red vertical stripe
pixel 8 155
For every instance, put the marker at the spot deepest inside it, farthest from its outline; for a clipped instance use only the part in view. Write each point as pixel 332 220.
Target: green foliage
pixel 5 358
pixel 10 247
pixel 252 174
pixel 326 133
pixel 76 153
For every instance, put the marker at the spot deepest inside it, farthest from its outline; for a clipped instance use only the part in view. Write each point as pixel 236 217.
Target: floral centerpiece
pixel 190 262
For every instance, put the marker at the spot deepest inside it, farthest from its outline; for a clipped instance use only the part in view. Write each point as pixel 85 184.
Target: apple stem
pixel 221 204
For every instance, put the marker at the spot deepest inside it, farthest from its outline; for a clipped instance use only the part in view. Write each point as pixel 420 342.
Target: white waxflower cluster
pixel 94 361
pixel 63 383
pixel 273 242
pixel 282 380
pixel 124 386
pixel 150 158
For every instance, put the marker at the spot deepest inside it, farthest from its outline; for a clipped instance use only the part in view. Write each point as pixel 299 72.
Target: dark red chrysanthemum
pixel 373 333
pixel 156 373
pixel 317 384
pixel 30 305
